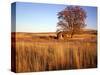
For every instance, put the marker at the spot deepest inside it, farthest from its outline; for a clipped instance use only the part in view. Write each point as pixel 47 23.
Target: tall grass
pixel 55 55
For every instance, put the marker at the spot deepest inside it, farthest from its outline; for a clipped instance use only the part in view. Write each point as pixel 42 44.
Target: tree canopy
pixel 71 19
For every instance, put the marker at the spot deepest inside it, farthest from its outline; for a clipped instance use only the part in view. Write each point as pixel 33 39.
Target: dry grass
pixel 37 54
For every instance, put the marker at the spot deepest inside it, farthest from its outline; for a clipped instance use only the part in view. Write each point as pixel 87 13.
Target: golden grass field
pixel 43 52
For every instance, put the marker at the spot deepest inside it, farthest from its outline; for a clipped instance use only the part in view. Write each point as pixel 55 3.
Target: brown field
pixel 43 52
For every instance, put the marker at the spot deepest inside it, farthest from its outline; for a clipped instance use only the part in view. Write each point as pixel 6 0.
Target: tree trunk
pixel 72 34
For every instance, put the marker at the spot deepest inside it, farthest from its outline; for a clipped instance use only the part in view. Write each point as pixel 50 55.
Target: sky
pixel 39 17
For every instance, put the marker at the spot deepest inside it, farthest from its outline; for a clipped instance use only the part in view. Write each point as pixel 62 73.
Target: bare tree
pixel 71 20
